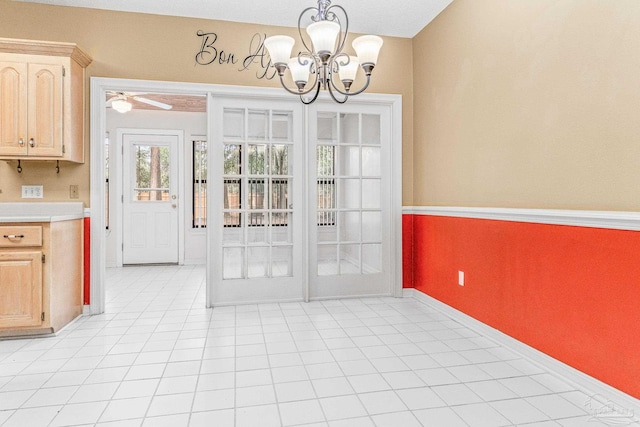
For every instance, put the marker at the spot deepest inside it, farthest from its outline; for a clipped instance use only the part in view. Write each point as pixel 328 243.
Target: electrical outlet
pixel 32 192
pixel 461 278
pixel 73 192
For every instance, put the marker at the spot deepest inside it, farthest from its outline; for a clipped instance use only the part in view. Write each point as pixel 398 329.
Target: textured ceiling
pixel 399 18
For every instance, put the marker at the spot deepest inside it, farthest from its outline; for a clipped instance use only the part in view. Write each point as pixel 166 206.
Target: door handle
pixel 32 143
pixel 173 205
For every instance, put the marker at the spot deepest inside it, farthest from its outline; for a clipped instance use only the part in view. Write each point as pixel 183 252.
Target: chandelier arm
pixel 294 92
pixel 304 43
pixel 343 36
pixel 312 100
pixel 359 91
pixel 334 97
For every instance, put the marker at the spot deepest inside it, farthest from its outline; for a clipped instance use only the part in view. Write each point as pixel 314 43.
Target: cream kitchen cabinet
pixel 41 269
pixel 42 100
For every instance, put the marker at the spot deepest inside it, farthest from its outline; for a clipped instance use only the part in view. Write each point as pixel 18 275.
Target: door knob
pixel 21 142
pixel 32 143
pixel 173 205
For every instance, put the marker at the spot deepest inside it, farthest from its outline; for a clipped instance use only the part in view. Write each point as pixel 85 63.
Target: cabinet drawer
pixel 13 236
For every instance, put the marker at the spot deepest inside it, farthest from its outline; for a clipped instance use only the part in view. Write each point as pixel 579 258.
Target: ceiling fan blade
pixel 152 102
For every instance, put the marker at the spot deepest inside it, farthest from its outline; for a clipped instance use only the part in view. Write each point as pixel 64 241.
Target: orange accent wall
pixel 87 260
pixel 570 292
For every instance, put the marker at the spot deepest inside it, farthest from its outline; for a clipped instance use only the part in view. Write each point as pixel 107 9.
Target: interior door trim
pixel 98 95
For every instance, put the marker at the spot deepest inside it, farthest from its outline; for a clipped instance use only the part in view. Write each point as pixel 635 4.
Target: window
pixel 326 185
pixel 199 205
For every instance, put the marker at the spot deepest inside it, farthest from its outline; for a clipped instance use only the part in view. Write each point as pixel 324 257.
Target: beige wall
pixel 530 104
pixel 137 46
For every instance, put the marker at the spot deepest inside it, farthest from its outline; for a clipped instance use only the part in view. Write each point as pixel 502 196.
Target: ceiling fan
pixel 119 101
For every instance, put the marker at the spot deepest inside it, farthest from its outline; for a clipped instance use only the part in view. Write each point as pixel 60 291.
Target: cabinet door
pixel 45 110
pixel 20 288
pixel 13 108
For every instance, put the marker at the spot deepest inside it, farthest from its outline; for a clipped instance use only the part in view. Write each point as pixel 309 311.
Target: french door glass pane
pixel 371 193
pixel 257 164
pixel 258 262
pixel 348 161
pixel 350 193
pixel 371 129
pixel 233 123
pixel 282 230
pixel 349 259
pixel 282 261
pixel 327 260
pixel 372 258
pixel 232 261
pixel 350 129
pixel 349 223
pixel 232 159
pixel 282 126
pixel 258 121
pixel 327 127
pixel 280 160
pixel 371 161
pixel 372 226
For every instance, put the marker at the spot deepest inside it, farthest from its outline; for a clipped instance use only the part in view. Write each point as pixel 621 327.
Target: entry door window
pixel 257 188
pixel 152 173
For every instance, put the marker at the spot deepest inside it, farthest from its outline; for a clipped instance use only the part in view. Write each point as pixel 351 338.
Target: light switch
pixel 32 192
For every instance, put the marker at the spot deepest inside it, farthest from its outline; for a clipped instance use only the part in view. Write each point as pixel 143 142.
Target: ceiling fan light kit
pixel 120 102
pixel 121 106
pixel 326 62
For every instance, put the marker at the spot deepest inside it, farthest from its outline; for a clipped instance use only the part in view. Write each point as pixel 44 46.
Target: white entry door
pixel 256 181
pixel 350 190
pixel 150 199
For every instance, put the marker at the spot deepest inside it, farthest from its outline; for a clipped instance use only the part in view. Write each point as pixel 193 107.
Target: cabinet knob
pixel 32 143
pixel 21 142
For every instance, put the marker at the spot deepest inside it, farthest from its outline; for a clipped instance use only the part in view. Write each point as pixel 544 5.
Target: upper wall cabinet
pixel 42 100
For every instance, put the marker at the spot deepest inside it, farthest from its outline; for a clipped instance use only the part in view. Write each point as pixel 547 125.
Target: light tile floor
pixel 157 357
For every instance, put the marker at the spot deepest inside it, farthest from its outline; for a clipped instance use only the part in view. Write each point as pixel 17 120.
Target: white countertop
pixel 41 212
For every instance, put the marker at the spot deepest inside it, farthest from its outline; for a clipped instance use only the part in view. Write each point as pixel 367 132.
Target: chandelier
pixel 326 62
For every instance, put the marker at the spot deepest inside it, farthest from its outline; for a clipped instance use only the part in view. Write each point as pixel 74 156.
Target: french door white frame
pixel 99 88
pixel 120 182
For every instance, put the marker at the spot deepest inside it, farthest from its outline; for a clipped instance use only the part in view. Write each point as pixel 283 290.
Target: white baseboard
pixel 622 402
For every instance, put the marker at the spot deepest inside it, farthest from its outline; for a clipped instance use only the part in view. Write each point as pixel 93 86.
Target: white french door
pixel 150 199
pixel 303 204
pixel 350 211
pixel 256 181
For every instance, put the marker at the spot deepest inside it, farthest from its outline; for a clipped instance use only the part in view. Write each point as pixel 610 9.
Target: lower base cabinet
pixel 41 266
